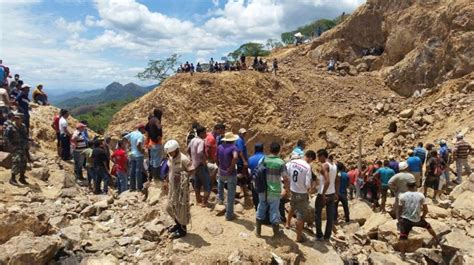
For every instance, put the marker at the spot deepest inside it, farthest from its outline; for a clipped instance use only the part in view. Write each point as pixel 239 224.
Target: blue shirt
pixel 386 174
pixel 421 153
pixel 344 183
pixel 135 138
pixel 253 160
pixel 23 103
pixel 240 144
pixel 414 164
pixel 299 151
pixel 444 153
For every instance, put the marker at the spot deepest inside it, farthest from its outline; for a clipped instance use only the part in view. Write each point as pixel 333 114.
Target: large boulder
pixel 462 206
pixel 100 260
pixel 385 259
pixel 360 211
pixel 12 224
pixel 154 195
pixel 28 249
pixel 457 241
pixel 5 160
pixel 375 220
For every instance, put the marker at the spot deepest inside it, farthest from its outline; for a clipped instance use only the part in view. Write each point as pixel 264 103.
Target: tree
pixel 250 49
pixel 310 29
pixel 159 69
pixel 273 43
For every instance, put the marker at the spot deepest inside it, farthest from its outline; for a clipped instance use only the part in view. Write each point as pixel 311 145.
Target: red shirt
pixel 120 158
pixel 211 147
pixel 56 122
pixel 353 175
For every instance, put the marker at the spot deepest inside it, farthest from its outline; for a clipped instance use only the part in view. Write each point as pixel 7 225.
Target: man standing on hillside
pixel 17 138
pixel 211 150
pixel 398 184
pixel 155 136
pixel 137 155
pixel 253 163
pixel 24 105
pixel 242 162
pixel 65 136
pixel 276 172
pixel 227 155
pixel 444 155
pixel 196 150
pixel 384 173
pixel 100 160
pixel 342 192
pixel 420 152
pixel 328 184
pixel 415 166
pixel 177 183
pixel 413 210
pixel 79 144
pixel 299 171
pixel 461 151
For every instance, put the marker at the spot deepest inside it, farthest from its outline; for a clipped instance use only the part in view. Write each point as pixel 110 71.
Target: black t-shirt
pixel 154 132
pixel 99 156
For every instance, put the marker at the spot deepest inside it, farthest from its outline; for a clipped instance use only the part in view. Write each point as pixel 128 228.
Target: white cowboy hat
pixel 230 137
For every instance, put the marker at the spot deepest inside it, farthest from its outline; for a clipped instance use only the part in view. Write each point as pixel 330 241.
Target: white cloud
pixel 71 27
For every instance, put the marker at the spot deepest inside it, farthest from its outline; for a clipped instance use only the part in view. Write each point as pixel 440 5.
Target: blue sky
pixel 87 44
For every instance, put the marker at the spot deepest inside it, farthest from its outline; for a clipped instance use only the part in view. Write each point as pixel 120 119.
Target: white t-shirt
pixel 332 180
pixel 63 125
pixel 3 93
pixel 412 203
pixel 299 172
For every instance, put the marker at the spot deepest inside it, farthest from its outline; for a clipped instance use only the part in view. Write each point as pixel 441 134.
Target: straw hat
pixel 230 137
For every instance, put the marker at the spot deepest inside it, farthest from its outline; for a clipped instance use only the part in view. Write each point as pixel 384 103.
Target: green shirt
pixel 276 169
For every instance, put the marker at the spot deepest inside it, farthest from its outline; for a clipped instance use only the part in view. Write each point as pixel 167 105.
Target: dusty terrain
pixel 426 43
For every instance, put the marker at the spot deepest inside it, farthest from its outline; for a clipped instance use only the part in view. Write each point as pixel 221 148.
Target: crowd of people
pixel 239 65
pixel 217 160
pixel 15 119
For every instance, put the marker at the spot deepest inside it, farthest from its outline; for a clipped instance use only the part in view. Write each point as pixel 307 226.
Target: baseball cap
pixel 242 130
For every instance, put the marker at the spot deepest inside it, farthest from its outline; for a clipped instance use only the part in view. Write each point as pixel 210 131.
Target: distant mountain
pixel 113 92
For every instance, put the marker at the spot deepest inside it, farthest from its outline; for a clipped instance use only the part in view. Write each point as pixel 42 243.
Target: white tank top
pixel 332 180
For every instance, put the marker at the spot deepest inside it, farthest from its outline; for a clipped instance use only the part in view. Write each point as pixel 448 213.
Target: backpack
pixel 439 168
pixel 259 176
pixel 164 169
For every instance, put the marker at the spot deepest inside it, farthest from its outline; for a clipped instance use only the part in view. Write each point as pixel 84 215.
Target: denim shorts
pixel 202 178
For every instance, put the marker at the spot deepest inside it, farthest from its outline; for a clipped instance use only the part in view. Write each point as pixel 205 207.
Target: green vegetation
pixel 159 69
pixel 308 30
pixel 250 49
pixel 100 116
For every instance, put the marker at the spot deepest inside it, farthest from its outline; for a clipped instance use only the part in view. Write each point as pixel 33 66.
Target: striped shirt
pixel 276 170
pixel 462 149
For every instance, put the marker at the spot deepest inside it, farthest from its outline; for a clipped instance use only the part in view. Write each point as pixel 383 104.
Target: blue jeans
pixel 231 186
pixel 202 178
pixel 101 175
pixel 155 155
pixel 122 181
pixel 136 173
pixel 91 175
pixel 271 202
pixel 78 163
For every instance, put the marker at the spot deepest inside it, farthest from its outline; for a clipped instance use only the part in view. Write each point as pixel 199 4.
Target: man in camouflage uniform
pixel 17 139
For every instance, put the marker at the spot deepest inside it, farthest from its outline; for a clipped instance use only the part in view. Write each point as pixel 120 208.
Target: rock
pixel 392 127
pixel 237 257
pixel 379 246
pixel 239 208
pixel 5 160
pixel 90 210
pixel 432 256
pixel 154 195
pixel 362 67
pixel 389 136
pixel 104 216
pixel 28 249
pixel 353 71
pixel 379 142
pixel 68 179
pixel 153 232
pixel 214 229
pixel 40 173
pixel 437 212
pixel 455 241
pixel 344 66
pixel 72 234
pixel 102 204
pixel 181 246
pixel 219 210
pixel 427 119
pixel 100 245
pixel 360 212
pixel 100 260
pixel 379 107
pixel 462 206
pixel 407 113
pixel 361 236
pixel 385 259
pixel 123 241
pixel 12 224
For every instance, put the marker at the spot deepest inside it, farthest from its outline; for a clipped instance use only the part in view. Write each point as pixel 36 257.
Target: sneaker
pixel 23 181
pixel 319 239
pixel 178 234
pixel 13 182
